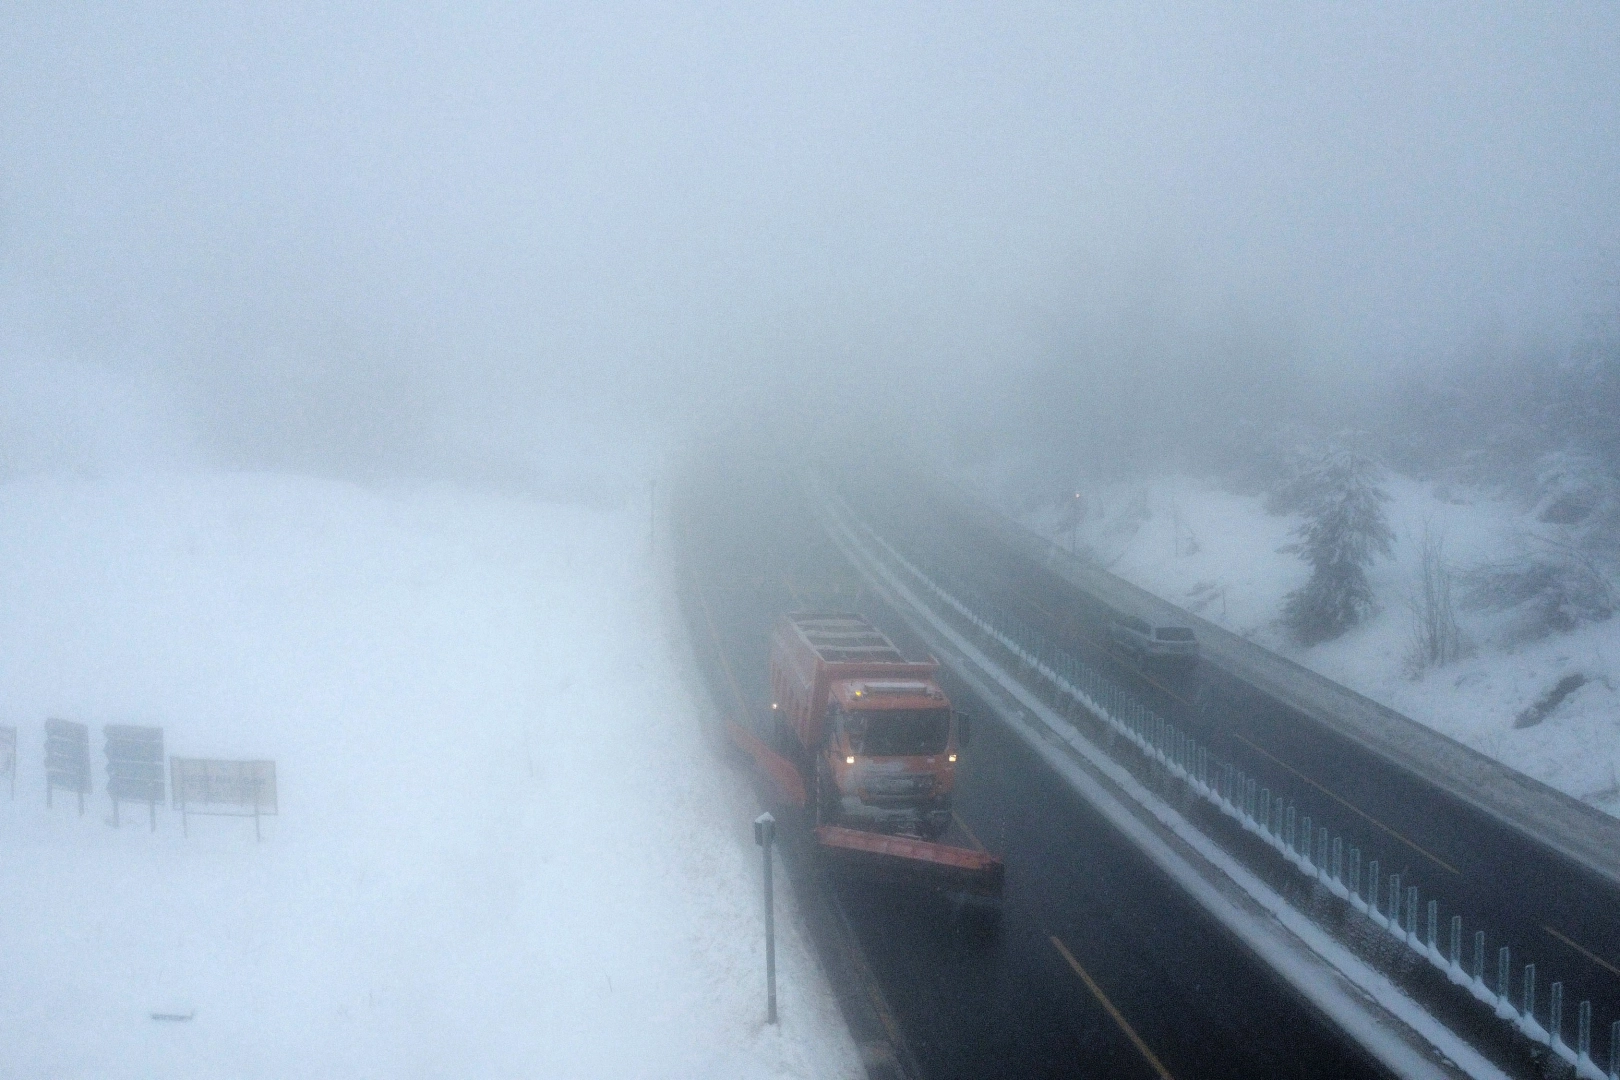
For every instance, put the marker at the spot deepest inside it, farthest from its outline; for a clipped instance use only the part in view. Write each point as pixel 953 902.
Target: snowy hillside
pixel 504 847
pixel 1221 555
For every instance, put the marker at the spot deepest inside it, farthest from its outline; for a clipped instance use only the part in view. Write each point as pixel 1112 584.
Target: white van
pixel 1145 639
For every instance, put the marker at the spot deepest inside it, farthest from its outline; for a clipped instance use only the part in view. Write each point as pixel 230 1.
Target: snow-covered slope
pixel 504 847
pixel 1218 555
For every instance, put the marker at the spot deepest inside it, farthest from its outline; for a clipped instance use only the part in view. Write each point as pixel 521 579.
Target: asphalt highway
pixel 1545 909
pixel 1100 967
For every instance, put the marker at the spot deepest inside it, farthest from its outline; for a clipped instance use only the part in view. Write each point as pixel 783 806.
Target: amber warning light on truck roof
pixel 917 689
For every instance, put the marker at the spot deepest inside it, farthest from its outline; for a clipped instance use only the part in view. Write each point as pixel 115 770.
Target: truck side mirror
pixel 964 729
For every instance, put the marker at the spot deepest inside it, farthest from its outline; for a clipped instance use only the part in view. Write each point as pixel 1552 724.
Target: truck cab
pixel 889 760
pixel 874 729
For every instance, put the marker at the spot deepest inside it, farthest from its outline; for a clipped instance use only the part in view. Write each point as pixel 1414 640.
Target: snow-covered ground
pixel 1217 554
pixel 504 848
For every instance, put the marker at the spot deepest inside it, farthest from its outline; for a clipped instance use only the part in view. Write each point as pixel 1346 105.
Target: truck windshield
pixel 898 732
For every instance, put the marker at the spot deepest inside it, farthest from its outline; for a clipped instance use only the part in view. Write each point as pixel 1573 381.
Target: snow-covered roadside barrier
pixel 1311 848
pixel 504 848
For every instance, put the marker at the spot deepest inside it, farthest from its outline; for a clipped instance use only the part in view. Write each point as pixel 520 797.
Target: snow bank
pixel 1222 556
pixel 504 848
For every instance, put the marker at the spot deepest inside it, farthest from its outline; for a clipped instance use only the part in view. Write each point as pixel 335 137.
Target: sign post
pixel 134 767
pixel 67 759
pixel 765 836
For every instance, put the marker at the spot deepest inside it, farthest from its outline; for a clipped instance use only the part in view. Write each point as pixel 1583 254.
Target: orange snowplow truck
pixel 876 731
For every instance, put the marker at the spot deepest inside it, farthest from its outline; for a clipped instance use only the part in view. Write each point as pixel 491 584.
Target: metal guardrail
pixel 1541 814
pixel 1312 847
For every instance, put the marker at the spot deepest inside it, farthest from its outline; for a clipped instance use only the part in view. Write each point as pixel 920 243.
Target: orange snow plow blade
pixel 789 784
pixel 905 860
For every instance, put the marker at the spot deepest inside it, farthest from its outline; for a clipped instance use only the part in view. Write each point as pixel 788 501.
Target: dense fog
pixel 531 244
pixel 390 400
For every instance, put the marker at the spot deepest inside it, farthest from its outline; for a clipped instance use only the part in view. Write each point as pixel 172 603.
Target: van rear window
pixel 1173 633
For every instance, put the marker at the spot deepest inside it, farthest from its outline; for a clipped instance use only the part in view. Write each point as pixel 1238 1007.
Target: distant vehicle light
pixel 849 760
pixel 773 704
pixel 951 758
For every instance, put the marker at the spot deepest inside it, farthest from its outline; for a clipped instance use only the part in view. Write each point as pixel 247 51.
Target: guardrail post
pixel 1394 911
pixel 765 836
pixel 1456 942
pixel 1530 992
pixel 1614 1050
pixel 1338 859
pixel 1322 848
pixel 1555 1016
pixel 1263 809
pixel 1583 1033
pixel 1479 957
pixel 1248 798
pixel 1504 962
pixel 1372 886
pixel 1434 925
pixel 1305 828
pixel 1355 872
pixel 1288 827
pixel 1411 912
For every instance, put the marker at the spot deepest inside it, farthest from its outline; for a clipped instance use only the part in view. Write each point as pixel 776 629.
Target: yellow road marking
pixel 1437 860
pixel 1598 960
pixel 1124 1026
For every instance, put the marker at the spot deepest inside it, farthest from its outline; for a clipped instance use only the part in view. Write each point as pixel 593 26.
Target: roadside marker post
pixel 765 836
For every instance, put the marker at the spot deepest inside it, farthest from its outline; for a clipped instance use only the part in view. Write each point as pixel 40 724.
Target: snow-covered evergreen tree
pixel 1343 532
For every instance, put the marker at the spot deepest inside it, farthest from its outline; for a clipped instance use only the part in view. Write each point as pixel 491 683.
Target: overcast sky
pixel 494 238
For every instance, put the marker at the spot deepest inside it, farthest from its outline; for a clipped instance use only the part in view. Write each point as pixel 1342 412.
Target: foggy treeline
pixel 542 245
pixel 1532 424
